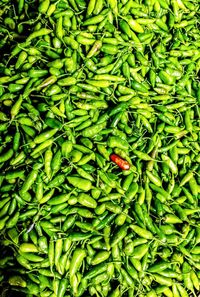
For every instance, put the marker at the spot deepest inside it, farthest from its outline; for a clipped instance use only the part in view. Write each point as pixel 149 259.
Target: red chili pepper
pixel 123 164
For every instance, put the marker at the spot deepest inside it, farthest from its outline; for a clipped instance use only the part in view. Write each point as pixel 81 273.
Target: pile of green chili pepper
pixel 99 148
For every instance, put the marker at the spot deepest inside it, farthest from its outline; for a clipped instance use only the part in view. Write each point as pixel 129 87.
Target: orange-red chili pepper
pixel 123 164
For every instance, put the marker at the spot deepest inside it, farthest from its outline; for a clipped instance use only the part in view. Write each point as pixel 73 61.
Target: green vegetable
pixel 99 148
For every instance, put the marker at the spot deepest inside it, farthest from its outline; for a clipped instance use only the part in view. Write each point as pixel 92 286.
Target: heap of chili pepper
pixel 99 148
